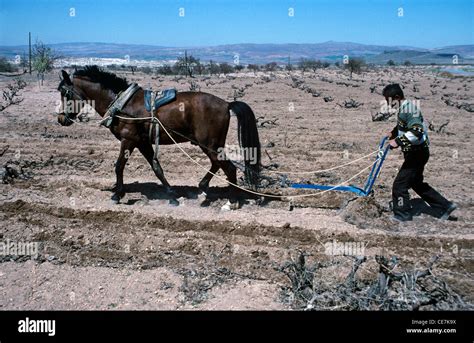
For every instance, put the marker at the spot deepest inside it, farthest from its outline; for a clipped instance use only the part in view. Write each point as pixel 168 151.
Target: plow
pixel 369 184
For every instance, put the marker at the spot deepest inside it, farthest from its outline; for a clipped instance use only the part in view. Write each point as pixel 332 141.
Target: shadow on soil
pixel 154 191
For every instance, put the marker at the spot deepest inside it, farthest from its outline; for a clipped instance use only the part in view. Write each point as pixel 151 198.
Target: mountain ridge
pixel 255 52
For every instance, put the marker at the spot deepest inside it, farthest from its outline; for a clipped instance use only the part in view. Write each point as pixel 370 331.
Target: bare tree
pixel 272 66
pixel 253 67
pixel 304 65
pixel 187 64
pixel 213 68
pixel 354 65
pixel 165 70
pixel 238 67
pixel 199 67
pixel 310 63
pixel 225 68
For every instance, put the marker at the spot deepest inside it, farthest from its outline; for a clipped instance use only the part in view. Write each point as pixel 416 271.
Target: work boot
pixel 400 214
pixel 398 218
pixel 448 211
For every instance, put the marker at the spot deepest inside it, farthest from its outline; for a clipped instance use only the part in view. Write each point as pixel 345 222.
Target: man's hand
pixel 393 144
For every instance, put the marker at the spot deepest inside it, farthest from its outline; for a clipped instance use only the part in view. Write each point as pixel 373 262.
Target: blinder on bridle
pixel 68 92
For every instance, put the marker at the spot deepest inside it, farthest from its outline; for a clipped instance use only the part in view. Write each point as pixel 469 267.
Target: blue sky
pixel 424 23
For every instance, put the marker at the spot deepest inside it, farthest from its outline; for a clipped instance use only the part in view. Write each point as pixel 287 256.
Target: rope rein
pixel 154 120
pixel 258 193
pixel 269 171
pixel 290 197
pixel 323 170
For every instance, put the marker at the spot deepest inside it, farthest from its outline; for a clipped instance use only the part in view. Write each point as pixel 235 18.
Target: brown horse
pixel 198 117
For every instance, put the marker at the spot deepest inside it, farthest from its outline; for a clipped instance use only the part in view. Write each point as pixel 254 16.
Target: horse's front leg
pixel 147 151
pixel 126 149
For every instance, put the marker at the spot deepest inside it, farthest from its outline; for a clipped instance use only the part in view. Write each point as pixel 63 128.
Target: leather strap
pixel 119 103
pixel 155 124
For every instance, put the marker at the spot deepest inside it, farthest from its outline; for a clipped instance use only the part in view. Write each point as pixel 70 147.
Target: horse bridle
pixel 69 92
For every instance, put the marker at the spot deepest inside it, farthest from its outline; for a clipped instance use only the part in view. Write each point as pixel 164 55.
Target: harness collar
pixel 118 104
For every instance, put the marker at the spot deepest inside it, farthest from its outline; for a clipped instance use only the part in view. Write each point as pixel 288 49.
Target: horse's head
pixel 71 100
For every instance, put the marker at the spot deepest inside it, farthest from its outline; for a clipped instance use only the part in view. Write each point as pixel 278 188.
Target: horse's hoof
pixel 116 198
pixel 202 196
pixel 173 202
pixel 229 206
pixel 205 203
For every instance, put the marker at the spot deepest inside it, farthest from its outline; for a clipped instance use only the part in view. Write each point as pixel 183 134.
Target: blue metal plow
pixel 374 173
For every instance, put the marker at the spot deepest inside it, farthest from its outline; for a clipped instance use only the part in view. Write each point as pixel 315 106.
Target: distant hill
pixel 258 53
pixel 438 56
pixel 466 50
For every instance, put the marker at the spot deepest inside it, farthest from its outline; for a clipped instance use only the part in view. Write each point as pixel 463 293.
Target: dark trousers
pixel 411 176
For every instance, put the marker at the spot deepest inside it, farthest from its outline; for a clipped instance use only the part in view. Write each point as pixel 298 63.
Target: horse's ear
pixel 65 77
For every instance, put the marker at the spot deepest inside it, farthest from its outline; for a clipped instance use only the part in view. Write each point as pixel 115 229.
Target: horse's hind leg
pixel 231 172
pixel 126 149
pixel 204 183
pixel 147 151
pixel 215 165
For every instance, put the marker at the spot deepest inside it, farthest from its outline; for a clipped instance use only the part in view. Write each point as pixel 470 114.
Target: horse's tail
pixel 248 140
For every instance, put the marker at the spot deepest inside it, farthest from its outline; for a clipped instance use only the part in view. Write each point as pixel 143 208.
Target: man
pixel 411 135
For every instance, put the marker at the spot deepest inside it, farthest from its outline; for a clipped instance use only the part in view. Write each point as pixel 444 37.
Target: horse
pixel 197 117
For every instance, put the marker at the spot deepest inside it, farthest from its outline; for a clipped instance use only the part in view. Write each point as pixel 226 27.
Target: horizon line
pixel 242 43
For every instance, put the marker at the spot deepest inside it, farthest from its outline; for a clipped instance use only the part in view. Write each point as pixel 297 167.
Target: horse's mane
pixel 107 80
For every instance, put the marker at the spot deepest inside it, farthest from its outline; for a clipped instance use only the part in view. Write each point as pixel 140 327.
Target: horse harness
pixel 69 92
pixel 153 100
pixel 117 105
